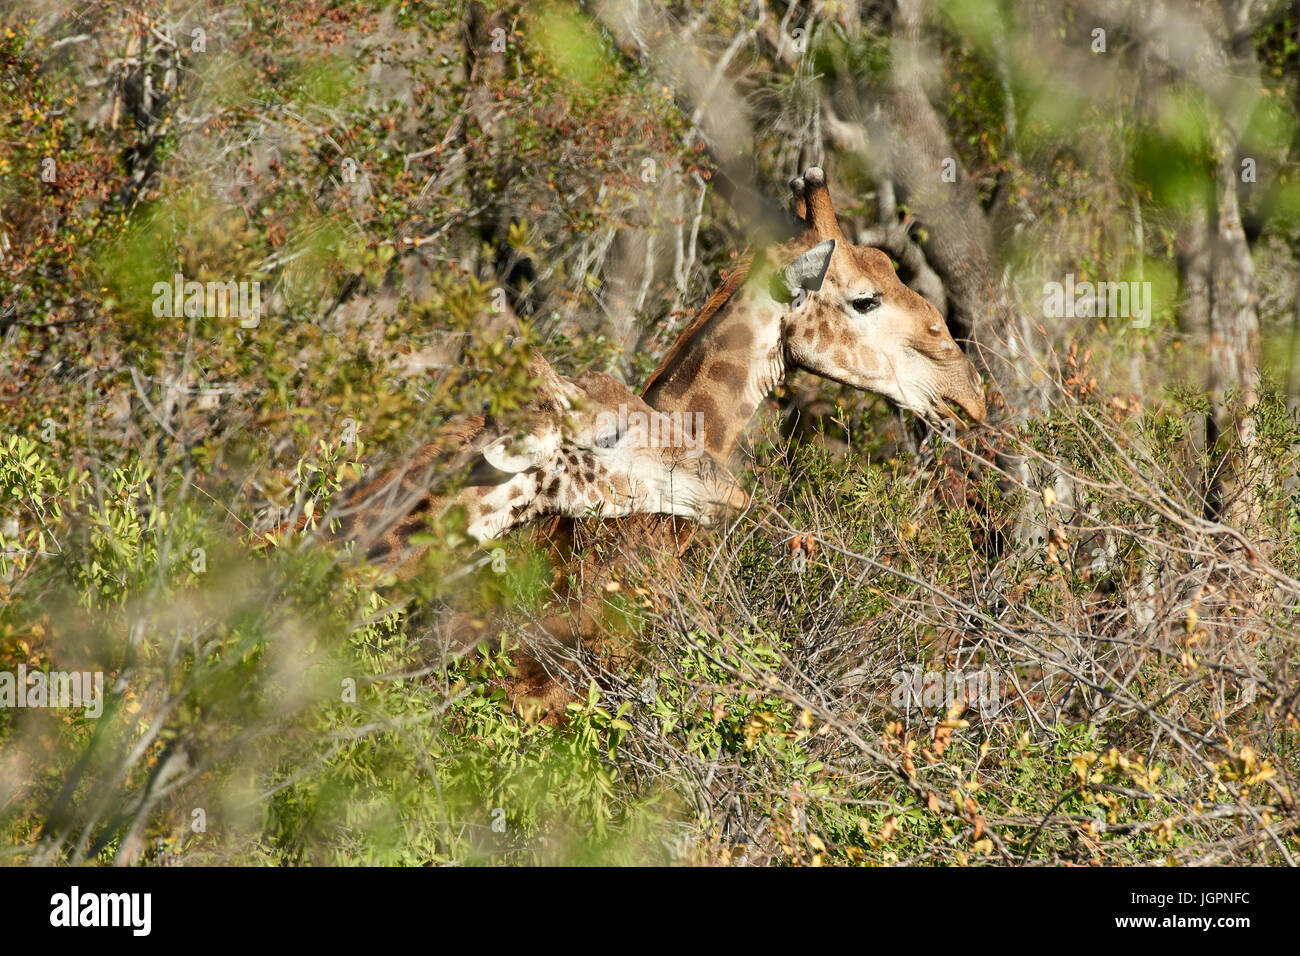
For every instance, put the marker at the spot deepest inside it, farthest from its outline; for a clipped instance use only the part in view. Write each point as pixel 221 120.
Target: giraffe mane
pixel 781 252
pixel 731 281
pixel 816 219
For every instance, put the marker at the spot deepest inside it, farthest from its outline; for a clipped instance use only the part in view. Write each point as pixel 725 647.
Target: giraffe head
pixel 854 321
pixel 590 446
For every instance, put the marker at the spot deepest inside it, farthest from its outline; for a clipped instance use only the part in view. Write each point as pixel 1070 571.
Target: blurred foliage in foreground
pixel 267 702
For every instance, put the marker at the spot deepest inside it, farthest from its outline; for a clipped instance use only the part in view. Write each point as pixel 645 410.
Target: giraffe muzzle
pixel 966 391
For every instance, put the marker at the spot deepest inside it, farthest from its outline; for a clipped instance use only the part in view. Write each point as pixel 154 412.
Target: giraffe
pixel 817 302
pixel 587 446
pixel 836 309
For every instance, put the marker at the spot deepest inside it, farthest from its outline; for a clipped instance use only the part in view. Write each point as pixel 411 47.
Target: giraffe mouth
pixel 940 413
pixel 943 412
pixel 720 505
pixel 968 397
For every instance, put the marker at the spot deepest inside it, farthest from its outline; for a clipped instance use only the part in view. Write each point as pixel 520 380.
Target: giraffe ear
pixel 808 271
pixel 515 454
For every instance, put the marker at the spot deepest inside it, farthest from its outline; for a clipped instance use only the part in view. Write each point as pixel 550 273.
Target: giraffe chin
pixel 717 513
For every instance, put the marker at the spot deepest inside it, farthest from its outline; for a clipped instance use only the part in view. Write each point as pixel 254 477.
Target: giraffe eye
pixel 867 303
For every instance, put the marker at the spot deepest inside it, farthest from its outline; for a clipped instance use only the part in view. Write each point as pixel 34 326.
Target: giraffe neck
pixel 725 369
